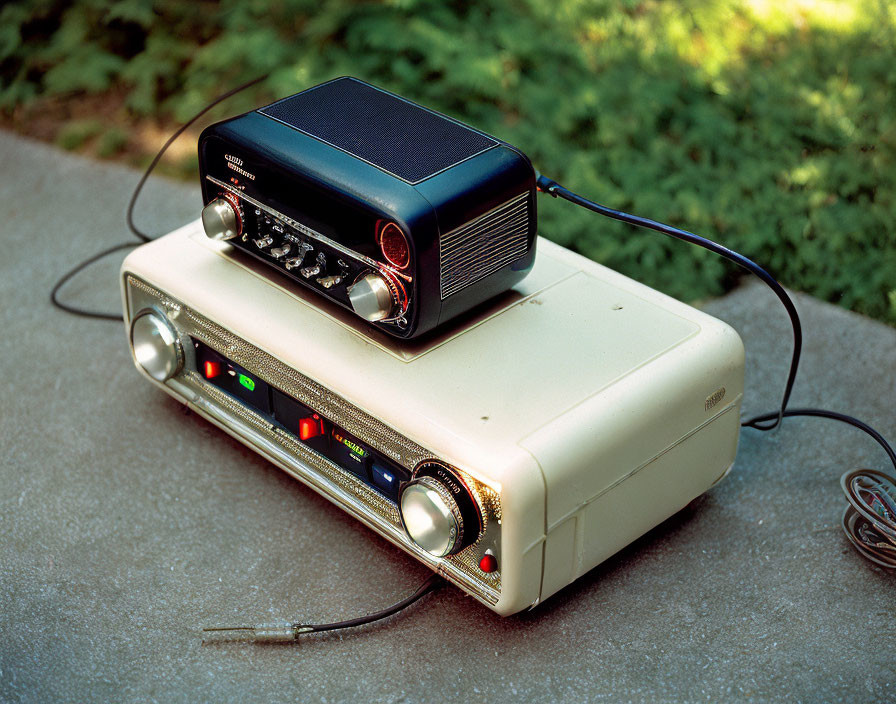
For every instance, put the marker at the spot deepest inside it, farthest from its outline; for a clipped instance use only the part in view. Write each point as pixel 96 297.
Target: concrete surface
pixel 127 524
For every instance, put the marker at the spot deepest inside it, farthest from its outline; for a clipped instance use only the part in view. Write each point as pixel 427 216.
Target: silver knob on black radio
pixel 438 512
pixel 156 346
pixel 372 297
pixel 221 220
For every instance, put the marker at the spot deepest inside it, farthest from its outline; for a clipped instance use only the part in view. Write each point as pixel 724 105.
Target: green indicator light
pixel 356 449
pixel 247 382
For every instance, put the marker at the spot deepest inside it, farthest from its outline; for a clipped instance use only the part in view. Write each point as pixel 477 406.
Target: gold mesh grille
pixel 311 467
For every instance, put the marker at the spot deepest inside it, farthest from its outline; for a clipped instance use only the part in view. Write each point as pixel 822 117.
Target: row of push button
pixel 347 451
pixel 320 435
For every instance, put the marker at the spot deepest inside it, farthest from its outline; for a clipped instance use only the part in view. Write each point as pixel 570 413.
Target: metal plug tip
pixel 259 634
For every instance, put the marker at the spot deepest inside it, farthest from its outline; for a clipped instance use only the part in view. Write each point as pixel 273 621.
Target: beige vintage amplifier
pixel 511 452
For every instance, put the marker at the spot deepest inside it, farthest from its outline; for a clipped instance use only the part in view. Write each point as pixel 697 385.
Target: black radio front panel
pixel 314 430
pixel 323 241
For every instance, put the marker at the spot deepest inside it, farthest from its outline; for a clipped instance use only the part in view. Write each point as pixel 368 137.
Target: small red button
pixel 310 427
pixel 488 563
pixel 212 369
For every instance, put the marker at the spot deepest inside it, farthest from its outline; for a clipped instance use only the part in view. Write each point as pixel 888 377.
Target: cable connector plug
pixel 869 520
pixel 290 634
pixel 545 184
pixel 259 634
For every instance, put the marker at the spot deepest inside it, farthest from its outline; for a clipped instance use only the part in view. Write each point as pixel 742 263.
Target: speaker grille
pixel 483 245
pixel 389 132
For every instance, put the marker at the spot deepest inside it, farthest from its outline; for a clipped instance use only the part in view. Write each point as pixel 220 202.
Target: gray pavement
pixel 127 524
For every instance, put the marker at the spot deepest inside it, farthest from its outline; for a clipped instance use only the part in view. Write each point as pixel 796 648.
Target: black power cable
pixel 177 133
pixel 287 634
pixel 833 415
pixel 765 421
pixel 552 188
pixel 99 315
pixel 142 236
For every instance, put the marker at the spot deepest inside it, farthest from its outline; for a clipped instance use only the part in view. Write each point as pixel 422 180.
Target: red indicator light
pixel 488 563
pixel 394 245
pixel 212 369
pixel 310 427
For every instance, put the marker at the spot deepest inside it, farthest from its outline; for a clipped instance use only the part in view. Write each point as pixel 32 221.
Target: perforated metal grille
pixel 483 245
pixel 387 131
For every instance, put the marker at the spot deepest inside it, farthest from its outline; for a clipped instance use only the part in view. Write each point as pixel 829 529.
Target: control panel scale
pixel 402 215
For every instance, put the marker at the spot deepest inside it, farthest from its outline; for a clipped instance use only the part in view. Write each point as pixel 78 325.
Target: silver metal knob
pixel 431 516
pixel 220 220
pixel 156 345
pixel 371 297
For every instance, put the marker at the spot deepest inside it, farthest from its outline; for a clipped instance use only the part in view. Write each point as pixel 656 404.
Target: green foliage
pixel 113 141
pixel 75 134
pixel 774 133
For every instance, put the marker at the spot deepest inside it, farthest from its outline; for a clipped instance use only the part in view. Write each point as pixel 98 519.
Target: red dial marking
pixel 394 245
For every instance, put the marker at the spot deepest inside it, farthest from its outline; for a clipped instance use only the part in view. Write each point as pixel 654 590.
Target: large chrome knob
pixel 372 298
pixel 437 511
pixel 156 345
pixel 221 220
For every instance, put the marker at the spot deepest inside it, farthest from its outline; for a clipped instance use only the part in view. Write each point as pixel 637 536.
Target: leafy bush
pixel 75 134
pixel 773 131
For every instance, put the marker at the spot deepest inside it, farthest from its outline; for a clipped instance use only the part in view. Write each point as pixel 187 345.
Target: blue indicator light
pixel 384 479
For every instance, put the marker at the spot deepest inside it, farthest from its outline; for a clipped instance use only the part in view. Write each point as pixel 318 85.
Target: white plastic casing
pixel 596 406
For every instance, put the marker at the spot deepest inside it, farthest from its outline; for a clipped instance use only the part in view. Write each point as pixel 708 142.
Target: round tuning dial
pixel 221 219
pixel 372 297
pixel 156 346
pixel 438 511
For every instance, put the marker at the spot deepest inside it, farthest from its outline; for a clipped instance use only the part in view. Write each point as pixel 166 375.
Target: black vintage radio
pixel 398 213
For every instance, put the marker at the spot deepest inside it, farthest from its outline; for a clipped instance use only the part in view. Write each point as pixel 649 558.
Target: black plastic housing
pixel 330 165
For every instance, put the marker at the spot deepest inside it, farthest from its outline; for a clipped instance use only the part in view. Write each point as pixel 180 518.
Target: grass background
pixel 769 126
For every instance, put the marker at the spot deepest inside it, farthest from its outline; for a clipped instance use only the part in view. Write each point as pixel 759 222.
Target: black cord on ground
pixel 288 634
pixel 99 315
pixel 430 585
pixel 833 415
pixel 142 236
